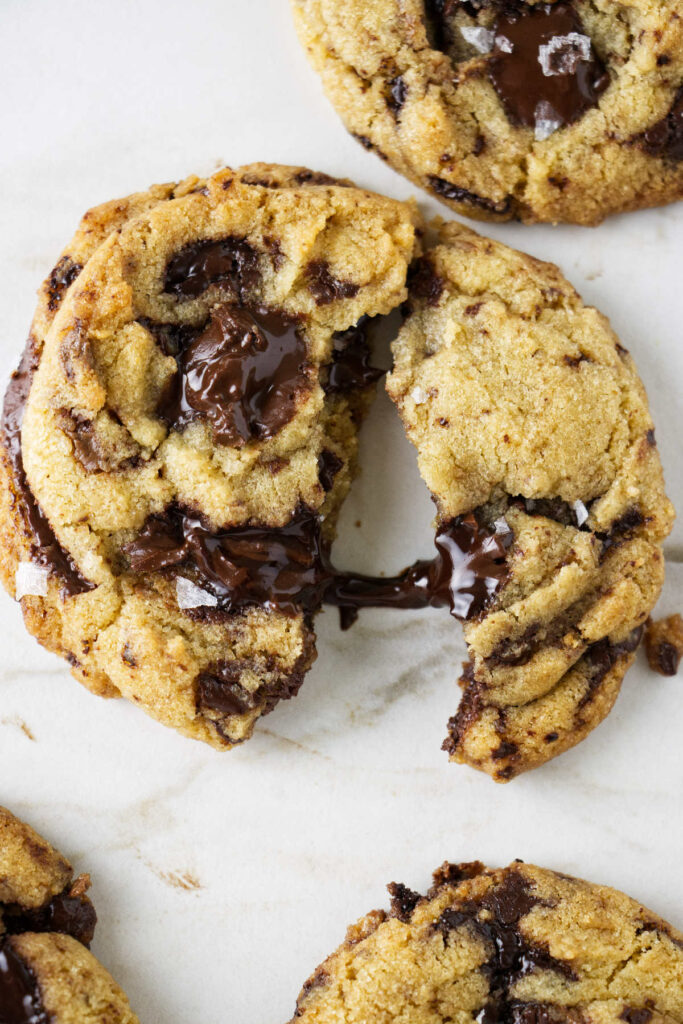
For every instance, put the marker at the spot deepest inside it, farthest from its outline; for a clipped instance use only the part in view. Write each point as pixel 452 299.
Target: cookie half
pixel 562 111
pixel 47 922
pixel 534 437
pixel 520 944
pixel 182 431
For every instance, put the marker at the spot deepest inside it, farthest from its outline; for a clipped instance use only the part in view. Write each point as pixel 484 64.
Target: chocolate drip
pixel 21 1001
pixel 45 548
pixel 244 373
pixel 65 913
pixel 568 83
pixel 229 260
pixel 350 368
pixel 288 568
pixel 512 955
pixel 665 138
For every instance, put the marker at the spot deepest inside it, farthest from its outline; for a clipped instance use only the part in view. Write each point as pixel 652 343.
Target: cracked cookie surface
pixel 521 944
pixel 182 432
pixel 47 974
pixel 528 415
pixel 561 111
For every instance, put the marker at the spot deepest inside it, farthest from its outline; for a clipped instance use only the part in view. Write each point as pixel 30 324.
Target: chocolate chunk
pixel 45 548
pixel 220 689
pixel 244 373
pixel 350 368
pixel 424 283
pixel 632 1015
pixel 329 465
pixel 601 657
pixel 172 338
pixel 66 913
pixel 63 275
pixel 230 261
pixel 543 66
pixel 665 138
pixel 461 195
pixel 21 1001
pixel 557 509
pixel 324 287
pixel 91 449
pixel 403 900
pixel 398 91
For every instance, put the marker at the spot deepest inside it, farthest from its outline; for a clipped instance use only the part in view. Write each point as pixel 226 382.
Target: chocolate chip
pixel 650 438
pixel 230 261
pixel 21 1001
pixel 244 373
pixel 543 66
pixel 665 138
pixel 350 368
pixel 45 548
pixel 635 1016
pixel 551 737
pixel 65 913
pixel 461 195
pixel 329 465
pixel 220 689
pixel 601 657
pixel 61 277
pixel 424 283
pixel 398 91
pixel 324 287
pixel 403 900
pixel 505 750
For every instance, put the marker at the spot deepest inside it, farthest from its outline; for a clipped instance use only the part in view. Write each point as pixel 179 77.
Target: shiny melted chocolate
pixel 289 568
pixel 45 548
pixel 230 261
pixel 540 58
pixel 20 997
pixel 350 367
pixel 243 373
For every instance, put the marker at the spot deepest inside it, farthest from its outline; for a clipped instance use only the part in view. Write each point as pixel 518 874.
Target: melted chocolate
pixel 525 36
pixel 288 568
pixel 230 261
pixel 21 1001
pixel 221 690
pixel 67 914
pixel 45 548
pixel 350 368
pixel 243 373
pixel 461 195
pixel 665 138
pixel 512 955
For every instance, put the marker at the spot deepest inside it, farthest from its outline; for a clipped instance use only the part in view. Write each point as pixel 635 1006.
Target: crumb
pixel 664 644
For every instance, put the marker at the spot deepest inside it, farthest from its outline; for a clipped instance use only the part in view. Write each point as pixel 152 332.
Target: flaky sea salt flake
pixel 563 54
pixel 547 121
pixel 480 38
pixel 504 44
pixel 189 595
pixel 580 512
pixel 30 580
pixel 419 395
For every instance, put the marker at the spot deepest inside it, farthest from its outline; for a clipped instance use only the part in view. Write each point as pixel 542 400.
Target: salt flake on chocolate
pixel 563 54
pixel 580 512
pixel 547 121
pixel 481 39
pixel 30 580
pixel 189 595
pixel 504 44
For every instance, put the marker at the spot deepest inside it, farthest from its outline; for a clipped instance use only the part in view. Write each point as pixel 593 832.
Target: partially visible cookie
pixel 521 944
pixel 182 432
pixel 47 974
pixel 562 111
pixel 534 436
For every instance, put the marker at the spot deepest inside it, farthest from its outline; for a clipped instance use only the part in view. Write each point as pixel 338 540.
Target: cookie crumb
pixel 664 644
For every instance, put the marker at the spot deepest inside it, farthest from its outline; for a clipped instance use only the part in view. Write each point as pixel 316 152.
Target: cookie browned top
pixel 528 413
pixel 46 924
pixel 521 944
pixel 562 111
pixel 198 368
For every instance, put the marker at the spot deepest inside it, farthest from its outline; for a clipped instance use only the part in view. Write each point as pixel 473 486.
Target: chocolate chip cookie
pixel 563 111
pixel 182 431
pixel 534 437
pixel 523 945
pixel 47 922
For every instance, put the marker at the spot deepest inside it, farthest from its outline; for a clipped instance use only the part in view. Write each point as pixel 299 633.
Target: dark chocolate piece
pixel 244 373
pixel 230 261
pixel 350 368
pixel 220 689
pixel 398 90
pixel 21 1001
pixel 424 283
pixel 403 900
pixel 543 66
pixel 461 195
pixel 66 913
pixel 288 567
pixel 632 1015
pixel 45 548
pixel 329 465
pixel 324 287
pixel 62 276
pixel 665 138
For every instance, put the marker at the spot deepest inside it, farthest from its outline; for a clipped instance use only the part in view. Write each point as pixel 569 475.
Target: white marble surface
pixel 221 880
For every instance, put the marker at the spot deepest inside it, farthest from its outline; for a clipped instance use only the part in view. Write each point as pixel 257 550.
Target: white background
pixel 289 838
